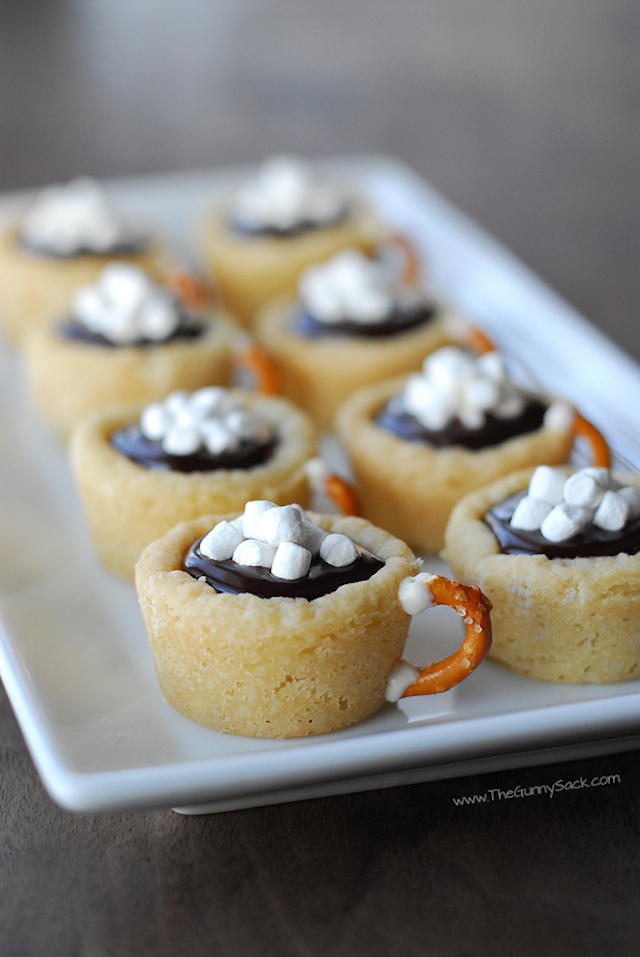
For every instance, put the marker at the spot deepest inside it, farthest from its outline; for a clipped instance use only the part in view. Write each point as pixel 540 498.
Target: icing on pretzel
pixel 468 601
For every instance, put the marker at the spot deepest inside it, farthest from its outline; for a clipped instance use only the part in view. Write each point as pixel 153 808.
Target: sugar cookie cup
pixel 69 379
pixel 575 621
pixel 320 373
pixel 35 289
pixel 282 667
pixel 410 488
pixel 127 506
pixel 250 269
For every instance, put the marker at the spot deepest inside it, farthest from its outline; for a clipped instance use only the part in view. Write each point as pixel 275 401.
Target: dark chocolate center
pixel 187 329
pixel 589 543
pixel 285 232
pixel 396 322
pixel 494 430
pixel 131 247
pixel 322 578
pixel 150 455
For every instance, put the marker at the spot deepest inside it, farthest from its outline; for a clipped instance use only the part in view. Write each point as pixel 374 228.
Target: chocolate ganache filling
pixel 397 322
pixel 589 543
pixel 187 329
pixel 235 224
pixel 129 247
pixel 494 431
pixel 322 579
pixel 150 455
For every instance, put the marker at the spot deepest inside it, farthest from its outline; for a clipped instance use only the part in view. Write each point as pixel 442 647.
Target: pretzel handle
pixel 192 291
pixel 342 494
pixel 412 269
pixel 599 448
pixel 474 608
pixel 251 360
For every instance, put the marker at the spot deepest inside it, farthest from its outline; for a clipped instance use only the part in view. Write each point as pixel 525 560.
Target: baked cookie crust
pixel 575 621
pixel 37 289
pixel 249 270
pixel 69 379
pixel 410 488
pixel 278 667
pixel 320 373
pixel 128 506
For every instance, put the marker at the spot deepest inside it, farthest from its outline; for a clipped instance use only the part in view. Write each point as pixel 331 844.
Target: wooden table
pixel 526 116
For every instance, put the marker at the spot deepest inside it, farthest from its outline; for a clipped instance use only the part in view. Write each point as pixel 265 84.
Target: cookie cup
pixel 251 269
pixel 69 380
pixel 277 667
pixel 410 488
pixel 127 506
pixel 36 289
pixel 320 373
pixel 574 620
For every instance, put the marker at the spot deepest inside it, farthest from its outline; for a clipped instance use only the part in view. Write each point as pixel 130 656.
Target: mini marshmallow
pixel 530 513
pixel 154 421
pixel 583 490
pixel 564 521
pixel 612 513
pixel 254 513
pixel 414 593
pixel 216 437
pixel 603 477
pixel 338 550
pixel 283 524
pixel 221 542
pixel 632 498
pixel 255 553
pixel 402 676
pixel 291 561
pixel 181 441
pixel 547 483
pixel 313 537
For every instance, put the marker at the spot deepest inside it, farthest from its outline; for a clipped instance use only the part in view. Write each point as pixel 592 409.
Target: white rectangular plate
pixel 73 651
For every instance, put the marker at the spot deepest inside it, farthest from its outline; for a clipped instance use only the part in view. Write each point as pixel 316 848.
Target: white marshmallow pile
pixel 281 538
pixel 455 384
pixel 349 286
pixel 126 306
pixel 561 507
pixel 78 216
pixel 286 193
pixel 211 419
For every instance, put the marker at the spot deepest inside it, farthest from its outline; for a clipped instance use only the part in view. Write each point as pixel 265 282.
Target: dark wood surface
pixel 525 115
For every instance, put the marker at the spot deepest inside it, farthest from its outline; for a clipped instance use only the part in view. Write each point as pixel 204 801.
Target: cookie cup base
pixel 127 506
pixel 410 488
pixel 320 373
pixel 277 667
pixel 37 289
pixel 249 270
pixel 575 621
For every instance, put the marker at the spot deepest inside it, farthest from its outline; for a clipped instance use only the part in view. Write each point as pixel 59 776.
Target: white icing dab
pixel 211 419
pixel 402 676
pixel 126 306
pixel 284 194
pixel 455 384
pixel 561 507
pixel 75 218
pixel 349 286
pixel 281 538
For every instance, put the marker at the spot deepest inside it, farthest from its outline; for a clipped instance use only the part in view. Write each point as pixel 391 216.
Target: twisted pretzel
pixel 473 607
pixel 253 360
